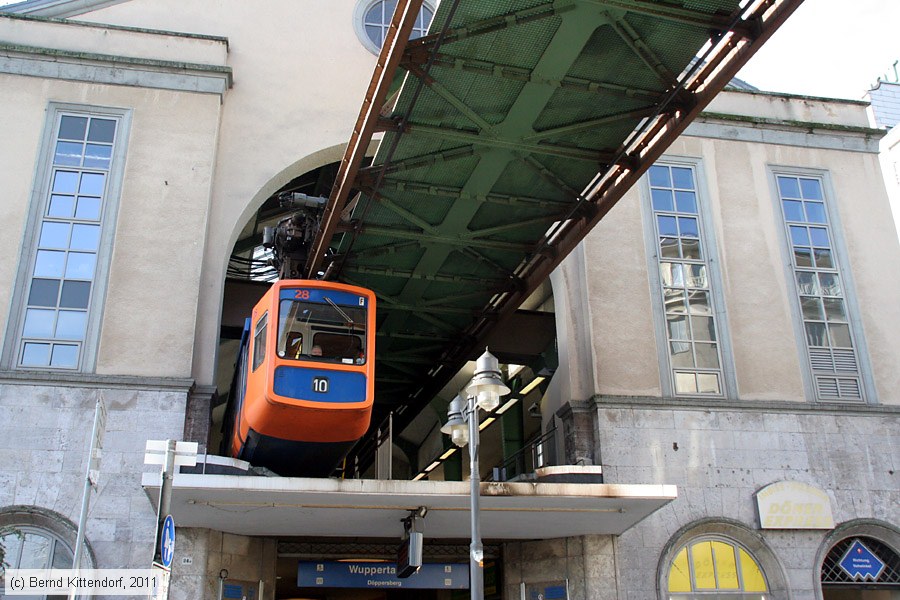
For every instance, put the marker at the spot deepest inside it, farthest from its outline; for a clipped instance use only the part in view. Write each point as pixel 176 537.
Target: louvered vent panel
pixel 828 387
pixel 821 360
pixel 845 360
pixel 849 389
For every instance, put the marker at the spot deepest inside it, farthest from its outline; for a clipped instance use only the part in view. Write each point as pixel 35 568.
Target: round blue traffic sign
pixel 167 542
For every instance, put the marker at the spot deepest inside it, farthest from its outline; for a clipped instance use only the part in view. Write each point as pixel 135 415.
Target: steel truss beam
pixel 457 193
pixel 483 139
pixel 512 73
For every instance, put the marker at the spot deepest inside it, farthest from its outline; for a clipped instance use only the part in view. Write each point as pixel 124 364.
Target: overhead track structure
pixel 519 125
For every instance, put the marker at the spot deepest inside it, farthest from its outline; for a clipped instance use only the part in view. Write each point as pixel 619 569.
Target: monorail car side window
pixel 259 341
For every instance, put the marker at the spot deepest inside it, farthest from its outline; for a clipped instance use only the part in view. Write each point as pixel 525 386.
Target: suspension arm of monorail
pixel 291 239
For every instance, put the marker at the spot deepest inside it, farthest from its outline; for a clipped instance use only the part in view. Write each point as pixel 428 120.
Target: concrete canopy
pixel 286 507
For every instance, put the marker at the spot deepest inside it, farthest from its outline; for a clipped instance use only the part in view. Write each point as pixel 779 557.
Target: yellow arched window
pixel 712 566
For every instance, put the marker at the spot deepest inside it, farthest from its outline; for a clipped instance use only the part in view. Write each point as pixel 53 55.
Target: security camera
pixel 534 410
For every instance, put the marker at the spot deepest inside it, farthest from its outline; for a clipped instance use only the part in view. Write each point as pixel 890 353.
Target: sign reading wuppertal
pixel 360 574
pixel 860 563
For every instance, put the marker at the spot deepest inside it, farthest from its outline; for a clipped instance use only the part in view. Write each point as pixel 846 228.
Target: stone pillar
pixel 198 415
pixel 578 424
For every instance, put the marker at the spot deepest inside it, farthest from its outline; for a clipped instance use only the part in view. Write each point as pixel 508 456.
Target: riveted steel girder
pixel 520 125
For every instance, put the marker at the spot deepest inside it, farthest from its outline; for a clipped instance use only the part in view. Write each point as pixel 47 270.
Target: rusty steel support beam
pixel 388 60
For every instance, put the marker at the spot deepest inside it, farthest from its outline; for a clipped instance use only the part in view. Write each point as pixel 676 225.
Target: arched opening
pixel 710 566
pixel 861 567
pixel 719 558
pixel 37 538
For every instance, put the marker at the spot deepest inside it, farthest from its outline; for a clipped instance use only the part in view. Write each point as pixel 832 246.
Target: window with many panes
pixel 820 289
pixel 65 259
pixel 684 282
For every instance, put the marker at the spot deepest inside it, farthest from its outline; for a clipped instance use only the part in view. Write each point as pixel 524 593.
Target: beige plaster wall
pixel 300 75
pixel 150 307
pixel 757 294
pixel 23 122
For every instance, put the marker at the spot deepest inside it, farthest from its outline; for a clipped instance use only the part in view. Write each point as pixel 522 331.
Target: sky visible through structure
pixel 831 48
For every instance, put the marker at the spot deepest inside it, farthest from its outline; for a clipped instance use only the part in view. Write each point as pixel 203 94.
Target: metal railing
pixel 535 454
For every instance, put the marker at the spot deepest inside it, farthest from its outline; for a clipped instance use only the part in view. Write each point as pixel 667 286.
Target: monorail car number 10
pixel 304 383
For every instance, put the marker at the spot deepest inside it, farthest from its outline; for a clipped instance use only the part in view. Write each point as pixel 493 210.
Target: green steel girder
pixel 432 239
pixel 456 193
pixel 451 99
pixel 520 125
pixel 643 51
pixel 668 12
pixel 407 274
pixel 479 66
pixel 590 124
pixel 368 174
pixel 487 26
pixel 486 139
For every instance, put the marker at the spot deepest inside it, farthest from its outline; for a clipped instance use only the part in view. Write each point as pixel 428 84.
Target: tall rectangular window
pixel 684 286
pixel 62 272
pixel 821 295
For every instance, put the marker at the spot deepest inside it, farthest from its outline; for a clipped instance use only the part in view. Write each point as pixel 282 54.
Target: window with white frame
pixel 820 289
pixel 373 17
pixel 67 253
pixel 684 282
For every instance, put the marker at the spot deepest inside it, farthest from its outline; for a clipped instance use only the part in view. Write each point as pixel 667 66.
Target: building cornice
pixel 93 25
pixel 89 67
pixel 788 96
pixel 69 379
pixel 755 406
pixel 784 132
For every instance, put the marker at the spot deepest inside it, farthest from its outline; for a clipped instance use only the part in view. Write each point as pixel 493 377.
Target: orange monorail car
pixel 304 380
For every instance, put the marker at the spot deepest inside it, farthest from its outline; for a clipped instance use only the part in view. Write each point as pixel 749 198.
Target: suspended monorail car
pixel 304 382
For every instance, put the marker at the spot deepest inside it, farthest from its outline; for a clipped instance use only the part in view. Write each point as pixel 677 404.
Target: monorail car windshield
pixel 323 326
pixel 302 394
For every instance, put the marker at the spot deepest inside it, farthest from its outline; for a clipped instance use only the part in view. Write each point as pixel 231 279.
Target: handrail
pixel 535 454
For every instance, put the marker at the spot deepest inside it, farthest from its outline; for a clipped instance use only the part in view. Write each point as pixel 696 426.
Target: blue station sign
pixel 361 574
pixel 860 563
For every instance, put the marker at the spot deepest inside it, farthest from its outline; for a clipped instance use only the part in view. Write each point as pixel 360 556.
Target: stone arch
pixel 48 521
pixel 311 161
pixel 885 533
pixel 734 530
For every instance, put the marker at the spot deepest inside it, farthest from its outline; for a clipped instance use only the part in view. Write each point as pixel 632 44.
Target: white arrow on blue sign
pixel 167 542
pixel 860 563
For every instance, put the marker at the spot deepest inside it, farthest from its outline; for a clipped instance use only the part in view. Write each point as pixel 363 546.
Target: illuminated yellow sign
pixel 793 505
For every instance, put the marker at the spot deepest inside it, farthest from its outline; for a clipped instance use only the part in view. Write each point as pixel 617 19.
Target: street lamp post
pixel 483 391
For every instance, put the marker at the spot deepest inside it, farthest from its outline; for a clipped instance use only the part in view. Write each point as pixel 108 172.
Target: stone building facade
pixel 206 99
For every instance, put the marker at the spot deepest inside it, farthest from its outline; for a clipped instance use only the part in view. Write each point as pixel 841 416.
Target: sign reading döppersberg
pixel 793 505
